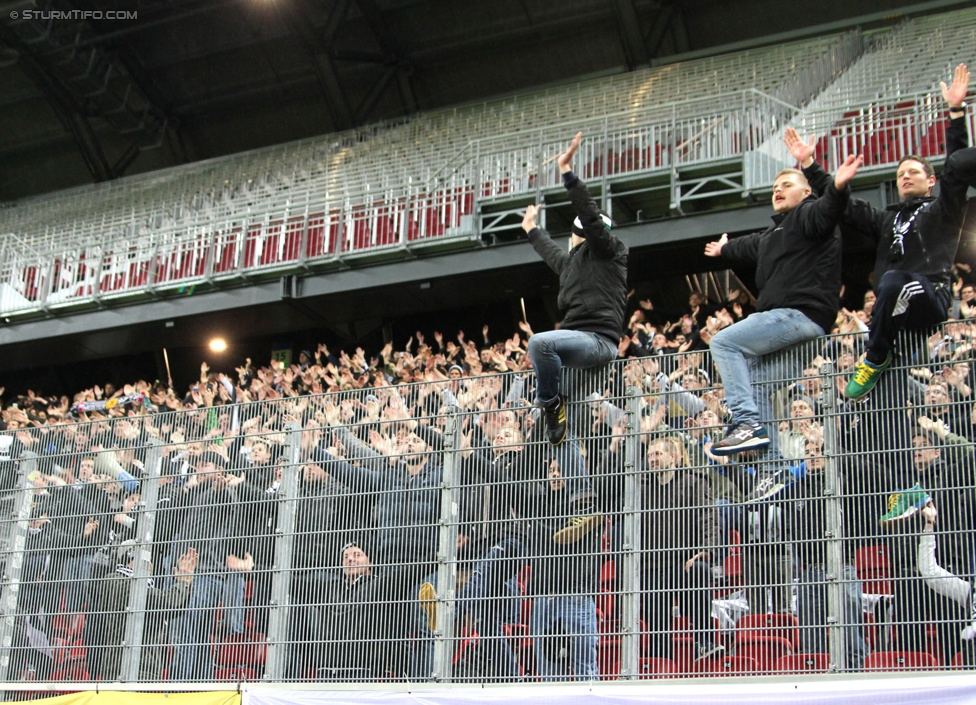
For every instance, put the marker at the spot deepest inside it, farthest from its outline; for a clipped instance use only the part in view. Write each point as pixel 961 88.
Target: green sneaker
pixel 902 505
pixel 866 375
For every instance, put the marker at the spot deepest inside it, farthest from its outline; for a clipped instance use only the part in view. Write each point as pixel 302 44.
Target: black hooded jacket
pixel 593 275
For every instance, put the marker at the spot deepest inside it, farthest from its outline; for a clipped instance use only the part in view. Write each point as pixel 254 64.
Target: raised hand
pixel 714 249
pixel 565 160
pixel 529 219
pixel 187 563
pixel 955 94
pixel 846 171
pixel 801 151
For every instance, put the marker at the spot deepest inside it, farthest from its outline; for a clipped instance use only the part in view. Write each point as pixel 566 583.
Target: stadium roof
pixel 91 90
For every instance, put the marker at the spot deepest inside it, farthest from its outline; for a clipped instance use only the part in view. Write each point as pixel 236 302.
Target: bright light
pixel 218 344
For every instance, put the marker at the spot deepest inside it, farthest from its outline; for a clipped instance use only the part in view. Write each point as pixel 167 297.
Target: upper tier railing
pixel 384 189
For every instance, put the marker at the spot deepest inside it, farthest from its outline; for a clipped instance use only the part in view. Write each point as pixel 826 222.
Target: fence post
pixel 833 529
pixel 139 584
pixel 14 546
pixel 630 637
pixel 605 160
pixel 675 187
pixel 540 168
pixel 280 601
pixel 447 549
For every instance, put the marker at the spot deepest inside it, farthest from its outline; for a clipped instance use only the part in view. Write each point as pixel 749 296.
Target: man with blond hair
pixel 798 272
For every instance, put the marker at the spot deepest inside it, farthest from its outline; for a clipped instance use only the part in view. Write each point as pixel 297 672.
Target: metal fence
pixel 429 532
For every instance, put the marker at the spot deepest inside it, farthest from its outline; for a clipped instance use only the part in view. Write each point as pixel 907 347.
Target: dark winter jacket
pixel 593 275
pixel 798 259
pixel 931 225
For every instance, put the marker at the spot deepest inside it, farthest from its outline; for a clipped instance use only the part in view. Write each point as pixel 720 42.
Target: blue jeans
pixel 232 599
pixel 573 469
pixel 742 355
pixel 574 616
pixel 488 595
pixel 76 576
pixel 555 349
pixel 811 611
pixel 190 632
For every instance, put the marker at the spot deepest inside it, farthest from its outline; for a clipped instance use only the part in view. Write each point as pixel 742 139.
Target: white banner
pixel 890 689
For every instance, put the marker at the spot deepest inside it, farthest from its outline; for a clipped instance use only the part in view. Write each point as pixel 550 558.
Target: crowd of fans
pixel 370 465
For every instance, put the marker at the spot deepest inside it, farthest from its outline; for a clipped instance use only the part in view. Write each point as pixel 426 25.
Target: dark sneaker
pixel 707 649
pixel 744 436
pixel 577 527
pixel 428 603
pixel 556 421
pixel 902 505
pixel 866 375
pixel 769 485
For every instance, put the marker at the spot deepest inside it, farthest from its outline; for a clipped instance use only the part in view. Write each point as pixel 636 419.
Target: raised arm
pixel 821 217
pixel 595 229
pixel 742 249
pixel 846 171
pixel 936 577
pixel 960 166
pixel 714 249
pixel 553 255
pixel 955 94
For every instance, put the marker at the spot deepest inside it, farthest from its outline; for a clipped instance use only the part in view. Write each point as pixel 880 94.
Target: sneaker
pixel 556 425
pixel 428 603
pixel 707 649
pixel 902 505
pixel 770 485
pixel 866 375
pixel 745 436
pixel 577 527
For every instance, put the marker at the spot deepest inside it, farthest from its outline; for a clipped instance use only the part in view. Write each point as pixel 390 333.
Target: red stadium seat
pixel 757 627
pixel 873 569
pixel 237 673
pixel 794 663
pixel 765 650
pixel 960 661
pixel 74 671
pixel 657 668
pixel 727 666
pixel 241 651
pixel 900 661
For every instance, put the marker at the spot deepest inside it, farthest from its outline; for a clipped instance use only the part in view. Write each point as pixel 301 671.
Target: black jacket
pixel 798 258
pixel 932 235
pixel 593 275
